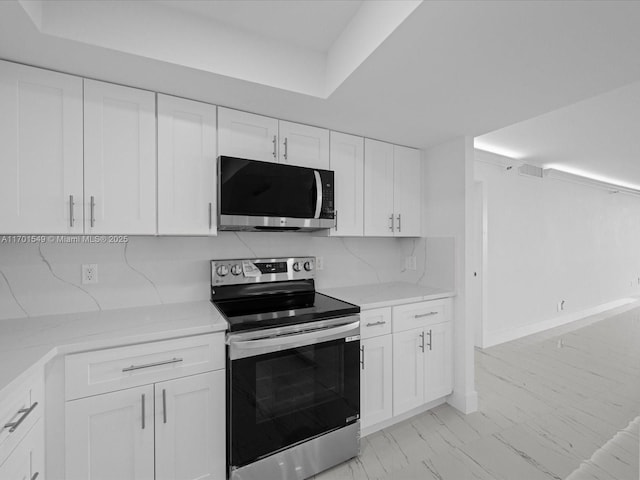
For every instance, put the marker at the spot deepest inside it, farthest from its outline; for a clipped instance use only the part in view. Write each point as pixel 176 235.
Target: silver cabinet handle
pixel 362 357
pixel 71 219
pixel 391 218
pixel 381 322
pixel 210 215
pixel 422 342
pixel 154 364
pixel 143 412
pixel 13 426
pixel 35 475
pixel 286 148
pixel 164 405
pixel 429 339
pixel 335 216
pixel 92 208
pixel 399 224
pixel 422 315
pixel 275 145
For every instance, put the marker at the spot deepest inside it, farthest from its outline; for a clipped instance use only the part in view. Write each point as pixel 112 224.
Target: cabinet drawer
pixel 375 322
pixel 420 314
pixel 112 369
pixel 21 408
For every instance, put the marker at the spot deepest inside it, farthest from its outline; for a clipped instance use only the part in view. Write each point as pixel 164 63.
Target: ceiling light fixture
pixel 593 180
pixel 479 144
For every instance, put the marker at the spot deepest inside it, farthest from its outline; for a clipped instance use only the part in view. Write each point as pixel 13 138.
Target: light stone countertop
pixel 386 294
pixel 28 343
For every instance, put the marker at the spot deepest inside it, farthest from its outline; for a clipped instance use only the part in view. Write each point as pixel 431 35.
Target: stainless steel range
pixel 293 379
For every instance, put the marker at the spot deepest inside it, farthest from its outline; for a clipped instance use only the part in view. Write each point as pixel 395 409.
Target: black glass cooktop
pixel 270 310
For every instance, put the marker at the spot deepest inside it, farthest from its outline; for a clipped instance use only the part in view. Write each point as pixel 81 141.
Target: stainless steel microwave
pixel 266 196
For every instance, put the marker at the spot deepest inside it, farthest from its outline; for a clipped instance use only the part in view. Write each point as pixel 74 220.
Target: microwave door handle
pixel 318 194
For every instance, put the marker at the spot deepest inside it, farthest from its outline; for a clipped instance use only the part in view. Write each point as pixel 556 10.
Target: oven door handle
pixel 291 340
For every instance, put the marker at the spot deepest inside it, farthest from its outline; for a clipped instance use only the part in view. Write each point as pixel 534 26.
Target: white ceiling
pixel 598 137
pixel 449 69
pixel 305 23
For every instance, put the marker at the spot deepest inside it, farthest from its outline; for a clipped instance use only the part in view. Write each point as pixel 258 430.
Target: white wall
pixel 448 190
pixel 550 240
pixel 39 279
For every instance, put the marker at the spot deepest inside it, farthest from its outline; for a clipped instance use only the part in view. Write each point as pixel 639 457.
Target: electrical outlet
pixel 89 273
pixel 410 263
pixel 319 263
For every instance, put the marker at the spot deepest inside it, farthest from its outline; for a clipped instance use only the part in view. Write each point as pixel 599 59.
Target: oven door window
pixel 282 398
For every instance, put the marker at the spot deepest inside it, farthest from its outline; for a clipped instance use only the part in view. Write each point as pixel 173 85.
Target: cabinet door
pixel 246 135
pixel 407 179
pixel 304 145
pixel 119 159
pixel 375 380
pixel 347 161
pixel 186 167
pixel 190 427
pixel 379 219
pixel 408 371
pixel 438 378
pixel 40 151
pixel 26 462
pixel 111 436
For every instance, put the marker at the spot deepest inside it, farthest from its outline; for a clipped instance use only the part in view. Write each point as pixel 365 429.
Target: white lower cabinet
pixel 408 371
pixel 375 380
pixel 26 462
pixel 406 359
pixel 170 430
pixel 111 436
pixel 168 426
pixel 422 366
pixel 190 426
pixel 438 366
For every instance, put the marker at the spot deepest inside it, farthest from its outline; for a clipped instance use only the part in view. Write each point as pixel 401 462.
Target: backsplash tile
pixel 40 279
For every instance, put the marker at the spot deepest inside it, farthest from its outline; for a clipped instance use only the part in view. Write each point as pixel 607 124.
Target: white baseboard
pixel 495 338
pixel 465 403
pixel 369 429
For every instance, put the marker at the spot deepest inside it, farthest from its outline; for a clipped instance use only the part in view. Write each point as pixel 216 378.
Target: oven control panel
pixel 257 270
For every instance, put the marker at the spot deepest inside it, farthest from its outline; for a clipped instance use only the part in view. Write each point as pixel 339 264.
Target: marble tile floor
pixel 551 406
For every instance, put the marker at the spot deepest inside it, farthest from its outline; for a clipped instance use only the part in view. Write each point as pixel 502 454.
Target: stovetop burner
pixel 265 293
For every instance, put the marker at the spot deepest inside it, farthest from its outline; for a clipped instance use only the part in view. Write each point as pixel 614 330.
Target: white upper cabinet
pixel 119 159
pixel 40 151
pixel 347 161
pixel 407 192
pixel 392 179
pixel 379 215
pixel 186 167
pixel 304 145
pixel 246 135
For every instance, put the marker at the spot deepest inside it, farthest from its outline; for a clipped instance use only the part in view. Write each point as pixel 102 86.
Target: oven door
pixel 291 385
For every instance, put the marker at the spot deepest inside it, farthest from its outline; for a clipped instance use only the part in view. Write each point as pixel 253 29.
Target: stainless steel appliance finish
pixel 267 196
pixel 307 459
pixel 293 373
pixel 254 343
pixel 246 223
pixel 261 270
